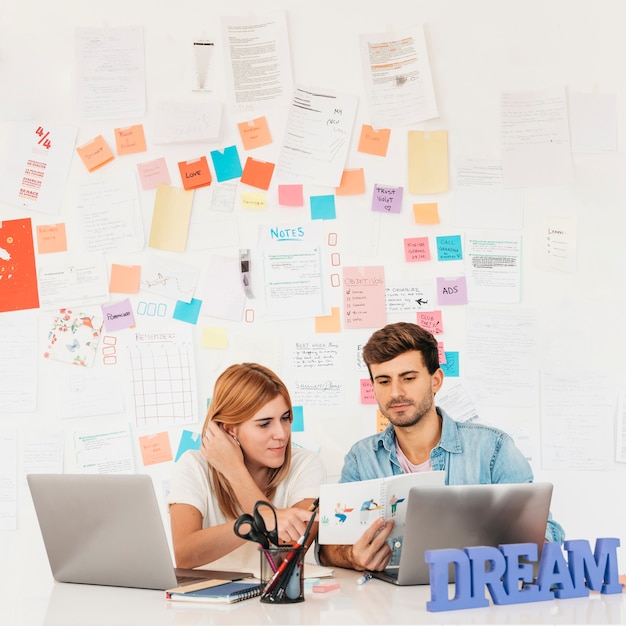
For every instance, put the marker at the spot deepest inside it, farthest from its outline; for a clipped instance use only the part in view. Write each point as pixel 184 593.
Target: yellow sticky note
pixel 170 218
pixel 254 200
pixel 329 323
pixel 215 337
pixel 428 161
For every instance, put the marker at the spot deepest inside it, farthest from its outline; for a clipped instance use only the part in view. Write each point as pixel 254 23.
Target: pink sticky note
pixel 442 353
pixel 367 392
pixel 290 195
pixel 416 249
pixel 430 321
pixel 153 173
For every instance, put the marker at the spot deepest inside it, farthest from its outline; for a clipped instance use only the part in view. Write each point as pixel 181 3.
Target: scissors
pixel 258 530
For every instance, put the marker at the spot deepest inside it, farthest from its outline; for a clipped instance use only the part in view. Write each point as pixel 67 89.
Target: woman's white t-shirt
pixel 190 485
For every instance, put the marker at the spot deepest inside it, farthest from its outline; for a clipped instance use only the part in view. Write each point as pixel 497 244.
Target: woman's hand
pixel 221 450
pixel 292 523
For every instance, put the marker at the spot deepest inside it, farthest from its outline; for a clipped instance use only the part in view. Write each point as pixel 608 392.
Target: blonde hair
pixel 239 393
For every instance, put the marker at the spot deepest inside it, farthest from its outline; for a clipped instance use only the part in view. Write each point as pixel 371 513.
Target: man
pixel 403 363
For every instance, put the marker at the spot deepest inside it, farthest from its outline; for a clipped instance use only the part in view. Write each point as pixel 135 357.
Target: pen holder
pixel 282 574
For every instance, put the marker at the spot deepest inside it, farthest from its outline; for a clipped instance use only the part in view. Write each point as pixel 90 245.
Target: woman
pixel 246 456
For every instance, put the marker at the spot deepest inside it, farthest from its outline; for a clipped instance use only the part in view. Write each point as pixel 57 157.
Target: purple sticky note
pixel 118 315
pixel 452 290
pixel 387 199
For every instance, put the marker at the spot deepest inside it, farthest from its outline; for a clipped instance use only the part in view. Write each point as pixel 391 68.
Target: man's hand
pixel 371 551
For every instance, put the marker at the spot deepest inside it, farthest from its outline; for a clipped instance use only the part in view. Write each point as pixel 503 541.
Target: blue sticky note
pixel 227 164
pixel 449 248
pixel 323 207
pixel 297 425
pixel 187 311
pixel 188 441
pixel 451 366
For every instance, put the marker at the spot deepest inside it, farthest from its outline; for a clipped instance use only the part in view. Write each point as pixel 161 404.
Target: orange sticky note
pixel 95 154
pixel 155 448
pixel 195 173
pixel 427 213
pixel 51 238
pixel 254 133
pixel 352 183
pixel 125 278
pixel 257 173
pixel 329 323
pixel 381 421
pixel 373 141
pixel 130 139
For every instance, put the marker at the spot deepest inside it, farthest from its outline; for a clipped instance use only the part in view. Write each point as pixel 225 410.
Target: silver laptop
pixel 461 516
pixel 106 529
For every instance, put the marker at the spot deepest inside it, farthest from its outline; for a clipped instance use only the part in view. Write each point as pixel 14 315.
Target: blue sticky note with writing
pixel 297 425
pixel 323 207
pixel 187 311
pixel 226 164
pixel 451 366
pixel 188 441
pixel 449 248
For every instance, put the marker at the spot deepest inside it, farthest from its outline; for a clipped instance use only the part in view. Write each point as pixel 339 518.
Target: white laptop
pixel 106 529
pixel 462 516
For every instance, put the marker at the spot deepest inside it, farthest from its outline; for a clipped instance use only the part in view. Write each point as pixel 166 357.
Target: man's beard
pixel 410 419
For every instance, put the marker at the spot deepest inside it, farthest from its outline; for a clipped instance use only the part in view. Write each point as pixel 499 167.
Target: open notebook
pixel 461 516
pixel 106 529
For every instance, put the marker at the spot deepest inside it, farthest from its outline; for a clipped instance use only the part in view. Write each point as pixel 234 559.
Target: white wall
pixel 478 50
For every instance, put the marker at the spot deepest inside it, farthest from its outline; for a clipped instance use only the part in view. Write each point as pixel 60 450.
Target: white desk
pixel 46 603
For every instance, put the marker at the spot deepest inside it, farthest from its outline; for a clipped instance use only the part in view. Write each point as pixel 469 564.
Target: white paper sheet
pixel 398 80
pixel 111 81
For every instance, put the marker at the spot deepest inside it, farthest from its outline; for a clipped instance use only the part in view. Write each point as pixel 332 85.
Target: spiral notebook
pixel 346 509
pixel 222 592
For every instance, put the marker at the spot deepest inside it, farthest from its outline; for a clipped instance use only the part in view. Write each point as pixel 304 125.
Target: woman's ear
pixel 229 429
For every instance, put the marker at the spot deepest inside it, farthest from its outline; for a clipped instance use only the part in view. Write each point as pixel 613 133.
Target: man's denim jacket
pixel 468 452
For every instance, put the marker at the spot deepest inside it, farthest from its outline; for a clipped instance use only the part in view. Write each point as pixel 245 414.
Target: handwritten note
pixel 95 153
pixel 387 199
pixel 416 249
pixel 449 248
pixel 130 139
pixel 364 297
pixel 372 141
